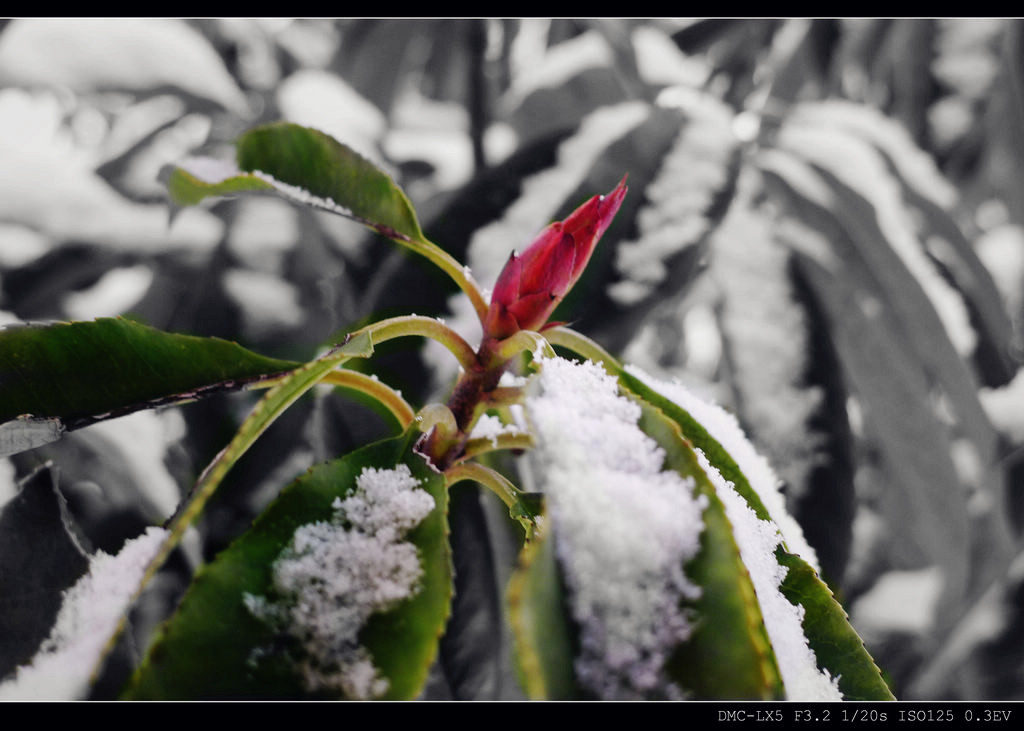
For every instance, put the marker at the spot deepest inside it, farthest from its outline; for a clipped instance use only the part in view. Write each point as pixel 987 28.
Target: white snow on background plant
pixel 140 442
pixel 8 482
pixel 859 165
pixel 1001 250
pixel 757 540
pixel 85 54
pixel 660 61
pixel 115 293
pixel 320 99
pixel 1004 407
pixel 914 165
pixel 724 428
pixel 48 185
pixel 62 668
pixel 544 193
pixel 673 217
pixel 268 303
pixel 899 601
pixel 624 528
pixel 22 245
pixel 543 66
pixel 263 233
pixel 766 336
pixel 334 575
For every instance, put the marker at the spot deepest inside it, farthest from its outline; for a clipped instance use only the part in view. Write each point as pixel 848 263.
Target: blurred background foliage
pixel 823 233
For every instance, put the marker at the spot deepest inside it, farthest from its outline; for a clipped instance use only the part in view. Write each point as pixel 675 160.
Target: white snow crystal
pixel 625 528
pixel 90 613
pixel 334 575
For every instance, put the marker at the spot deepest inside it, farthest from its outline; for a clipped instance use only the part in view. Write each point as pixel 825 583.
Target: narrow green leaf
pixel 728 656
pixel 311 168
pixel 541 623
pixel 836 645
pixel 82 372
pixel 319 164
pixel 91 55
pixel 215 647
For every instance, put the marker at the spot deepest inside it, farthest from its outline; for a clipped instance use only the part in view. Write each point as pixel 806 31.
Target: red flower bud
pixel 531 286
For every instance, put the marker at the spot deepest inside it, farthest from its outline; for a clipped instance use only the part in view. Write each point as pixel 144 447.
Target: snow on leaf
pixel 491 427
pixel 914 165
pixel 725 429
pixel 757 540
pixel 334 575
pixel 624 529
pixel 92 608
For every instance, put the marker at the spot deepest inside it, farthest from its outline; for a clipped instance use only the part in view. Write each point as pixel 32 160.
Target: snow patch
pixel 724 428
pixel 491 427
pixel 624 529
pixel 757 540
pixel 92 608
pixel 335 574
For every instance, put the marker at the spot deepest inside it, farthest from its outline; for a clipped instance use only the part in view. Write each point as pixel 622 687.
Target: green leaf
pixel 318 163
pixel 214 647
pixel 82 372
pixel 728 656
pixel 541 623
pixel 833 640
pixel 305 166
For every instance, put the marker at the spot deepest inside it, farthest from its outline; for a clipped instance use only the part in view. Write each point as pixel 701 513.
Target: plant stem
pixel 396 327
pixel 482 445
pixel 522 340
pixel 450 265
pixel 497 483
pixel 387 396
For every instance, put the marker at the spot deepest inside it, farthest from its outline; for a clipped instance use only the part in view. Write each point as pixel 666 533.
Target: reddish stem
pixel 473 389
